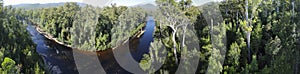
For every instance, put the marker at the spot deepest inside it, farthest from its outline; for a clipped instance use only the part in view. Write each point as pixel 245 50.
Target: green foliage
pixel 245 27
pixel 138 28
pixel 88 28
pixel 155 57
pixel 129 22
pixel 108 18
pixel 145 63
pixel 8 66
pixel 215 65
pixel 273 47
pixel 61 20
pixel 83 35
pixel 218 48
pixel 252 67
pixel 16 44
pixel 274 36
pixel 256 37
pixel 38 70
pixel 272 26
pixel 234 54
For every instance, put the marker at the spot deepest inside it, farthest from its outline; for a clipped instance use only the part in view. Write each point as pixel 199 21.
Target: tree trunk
pixel 248 33
pixel 174 45
pixel 183 38
pixel 249 47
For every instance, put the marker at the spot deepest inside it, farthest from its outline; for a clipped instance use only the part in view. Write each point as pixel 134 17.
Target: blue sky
pixel 118 2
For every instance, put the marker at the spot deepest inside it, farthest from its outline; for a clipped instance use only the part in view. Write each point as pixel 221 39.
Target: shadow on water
pixel 59 59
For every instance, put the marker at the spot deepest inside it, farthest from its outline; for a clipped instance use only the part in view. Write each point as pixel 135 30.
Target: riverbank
pixel 62 59
pixel 137 33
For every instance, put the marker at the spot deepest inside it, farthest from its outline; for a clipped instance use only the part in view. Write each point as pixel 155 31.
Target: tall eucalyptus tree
pixel 253 4
pixel 174 19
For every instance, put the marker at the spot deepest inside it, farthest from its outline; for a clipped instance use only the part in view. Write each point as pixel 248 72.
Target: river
pixel 60 60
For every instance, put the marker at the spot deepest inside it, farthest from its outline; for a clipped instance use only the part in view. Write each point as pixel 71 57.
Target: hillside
pixel 38 6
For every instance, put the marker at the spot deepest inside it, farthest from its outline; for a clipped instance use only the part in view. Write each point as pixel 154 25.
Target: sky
pixel 98 2
pixel 131 2
pixel 15 2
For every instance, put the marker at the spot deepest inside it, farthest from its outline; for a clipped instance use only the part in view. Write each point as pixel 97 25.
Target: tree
pixel 203 34
pixel 273 47
pixel 215 66
pixel 256 38
pixel 174 17
pixel 218 39
pixel 83 30
pixel 234 54
pixel 252 67
pixel 185 4
pixel 248 25
pixel 38 70
pixel 127 25
pixel 1 18
pixel 8 66
pixel 145 63
pixel 16 43
pixel 285 36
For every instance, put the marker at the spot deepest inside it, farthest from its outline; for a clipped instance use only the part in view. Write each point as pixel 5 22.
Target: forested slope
pixel 88 28
pixel 254 36
pixel 231 36
pixel 17 51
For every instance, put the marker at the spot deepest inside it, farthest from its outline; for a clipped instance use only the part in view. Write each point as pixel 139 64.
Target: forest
pixel 18 54
pixel 67 23
pixel 228 37
pixel 260 36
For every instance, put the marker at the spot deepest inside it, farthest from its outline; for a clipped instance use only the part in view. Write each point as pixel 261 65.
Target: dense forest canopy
pixel 68 23
pixel 231 36
pixel 17 51
pixel 261 36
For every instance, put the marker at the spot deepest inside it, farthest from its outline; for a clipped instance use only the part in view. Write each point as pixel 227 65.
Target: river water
pixel 60 60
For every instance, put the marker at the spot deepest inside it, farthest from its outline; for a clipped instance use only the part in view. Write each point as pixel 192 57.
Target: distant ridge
pixel 38 6
pixel 147 6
